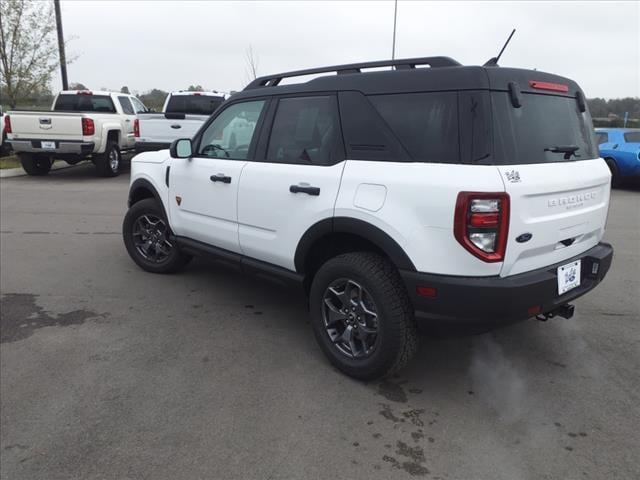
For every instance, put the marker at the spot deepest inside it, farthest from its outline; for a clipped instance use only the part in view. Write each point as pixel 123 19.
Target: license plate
pixel 568 277
pixel 48 145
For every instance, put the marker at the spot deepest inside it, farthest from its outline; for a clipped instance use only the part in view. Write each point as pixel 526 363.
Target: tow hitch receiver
pixel 564 311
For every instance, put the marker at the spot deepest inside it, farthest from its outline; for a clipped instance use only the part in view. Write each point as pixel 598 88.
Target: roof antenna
pixel 494 61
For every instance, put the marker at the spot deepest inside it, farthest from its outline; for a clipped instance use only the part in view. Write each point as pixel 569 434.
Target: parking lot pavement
pixel 110 372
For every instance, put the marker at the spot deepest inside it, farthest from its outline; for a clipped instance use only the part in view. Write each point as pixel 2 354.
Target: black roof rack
pixel 403 64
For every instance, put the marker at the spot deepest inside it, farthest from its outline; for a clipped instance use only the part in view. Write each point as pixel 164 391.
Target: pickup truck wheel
pixel 615 174
pixel 147 237
pixel 108 163
pixel 362 316
pixel 35 164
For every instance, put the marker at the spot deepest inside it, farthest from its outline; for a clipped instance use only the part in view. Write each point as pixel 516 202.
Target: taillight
pixel 136 128
pixel 88 127
pixel 481 224
pixel 7 124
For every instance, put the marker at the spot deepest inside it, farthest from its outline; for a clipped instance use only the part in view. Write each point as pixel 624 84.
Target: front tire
pixel 615 173
pixel 147 237
pixel 37 165
pixel 362 316
pixel 108 163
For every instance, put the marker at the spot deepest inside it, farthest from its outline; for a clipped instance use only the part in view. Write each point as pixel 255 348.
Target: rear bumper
pixel 35 146
pixel 151 146
pixel 495 300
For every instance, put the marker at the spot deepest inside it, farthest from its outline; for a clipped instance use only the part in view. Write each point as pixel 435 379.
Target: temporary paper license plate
pixel 568 277
pixel 48 145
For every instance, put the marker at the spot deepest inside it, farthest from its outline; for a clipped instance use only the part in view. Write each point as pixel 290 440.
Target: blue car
pixel 620 148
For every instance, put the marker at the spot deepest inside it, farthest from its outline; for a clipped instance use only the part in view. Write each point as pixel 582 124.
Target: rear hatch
pixel 546 153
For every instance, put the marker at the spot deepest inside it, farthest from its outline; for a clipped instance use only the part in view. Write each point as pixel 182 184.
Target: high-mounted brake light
pixel 555 87
pixel 88 127
pixel 7 124
pixel 136 128
pixel 481 224
pixel 84 92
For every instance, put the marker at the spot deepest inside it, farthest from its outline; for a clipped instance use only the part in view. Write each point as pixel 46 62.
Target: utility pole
pixel 395 15
pixel 63 58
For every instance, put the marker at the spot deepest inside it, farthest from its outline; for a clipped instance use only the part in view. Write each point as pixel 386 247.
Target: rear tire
pixel 147 237
pixel 385 342
pixel 33 164
pixel 108 163
pixel 615 173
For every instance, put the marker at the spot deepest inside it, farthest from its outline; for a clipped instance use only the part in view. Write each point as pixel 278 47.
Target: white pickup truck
pixel 182 116
pixel 81 125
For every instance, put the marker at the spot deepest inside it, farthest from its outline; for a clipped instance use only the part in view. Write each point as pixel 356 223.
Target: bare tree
pixel 28 49
pixel 252 61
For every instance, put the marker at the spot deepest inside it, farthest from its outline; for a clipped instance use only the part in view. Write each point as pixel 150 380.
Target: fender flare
pixel 356 227
pixel 143 183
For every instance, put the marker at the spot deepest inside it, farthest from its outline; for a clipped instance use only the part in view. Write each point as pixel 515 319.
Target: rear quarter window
pixel 425 123
pixel 632 137
pixel 84 103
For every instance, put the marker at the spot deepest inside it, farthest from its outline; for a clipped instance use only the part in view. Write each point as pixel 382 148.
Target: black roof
pixel 443 74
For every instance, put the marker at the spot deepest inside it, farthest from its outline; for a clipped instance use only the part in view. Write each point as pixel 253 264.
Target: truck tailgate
pixel 46 125
pixel 157 128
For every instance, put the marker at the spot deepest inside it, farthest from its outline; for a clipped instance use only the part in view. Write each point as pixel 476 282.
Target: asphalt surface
pixel 108 372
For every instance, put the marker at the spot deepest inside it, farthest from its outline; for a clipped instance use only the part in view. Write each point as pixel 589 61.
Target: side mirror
pixel 181 148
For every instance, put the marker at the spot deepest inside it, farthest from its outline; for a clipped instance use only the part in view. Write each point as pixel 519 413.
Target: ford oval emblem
pixel 525 237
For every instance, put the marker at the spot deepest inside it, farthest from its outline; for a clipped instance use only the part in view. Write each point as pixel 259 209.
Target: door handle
pixel 221 177
pixel 315 191
pixel 176 126
pixel 128 121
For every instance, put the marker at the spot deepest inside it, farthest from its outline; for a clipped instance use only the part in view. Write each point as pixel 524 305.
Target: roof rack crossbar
pixel 403 64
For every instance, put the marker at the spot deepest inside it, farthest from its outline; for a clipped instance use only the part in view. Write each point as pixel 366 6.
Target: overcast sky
pixel 170 44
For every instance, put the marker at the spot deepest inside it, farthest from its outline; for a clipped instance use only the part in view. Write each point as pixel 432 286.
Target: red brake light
pixel 136 128
pixel 556 87
pixel 481 224
pixel 84 92
pixel 7 124
pixel 88 127
pixel 426 291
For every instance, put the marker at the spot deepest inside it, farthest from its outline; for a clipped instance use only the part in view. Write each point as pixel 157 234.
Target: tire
pixel 615 173
pixel 381 291
pixel 108 163
pixel 35 164
pixel 167 258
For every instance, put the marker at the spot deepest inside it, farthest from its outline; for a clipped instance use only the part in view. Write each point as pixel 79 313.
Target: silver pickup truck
pixel 182 116
pixel 82 125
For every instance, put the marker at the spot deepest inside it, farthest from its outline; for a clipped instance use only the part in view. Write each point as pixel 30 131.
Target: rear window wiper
pixel 568 150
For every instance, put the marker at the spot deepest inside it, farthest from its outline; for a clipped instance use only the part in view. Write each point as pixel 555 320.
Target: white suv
pixel 393 198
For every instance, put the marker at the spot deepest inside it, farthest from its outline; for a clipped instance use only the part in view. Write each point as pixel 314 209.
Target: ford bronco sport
pixel 451 193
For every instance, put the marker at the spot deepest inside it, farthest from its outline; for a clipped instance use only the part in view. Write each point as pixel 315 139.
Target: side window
pixel 231 133
pixel 126 105
pixel 602 137
pixel 138 105
pixel 305 131
pixel 632 137
pixel 425 123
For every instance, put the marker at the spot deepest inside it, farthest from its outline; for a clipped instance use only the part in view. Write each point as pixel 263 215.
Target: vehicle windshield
pixel 193 104
pixel 545 129
pixel 72 102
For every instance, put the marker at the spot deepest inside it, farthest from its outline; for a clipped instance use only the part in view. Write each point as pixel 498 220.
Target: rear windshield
pixel 84 103
pixel 194 104
pixel 632 137
pixel 542 130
